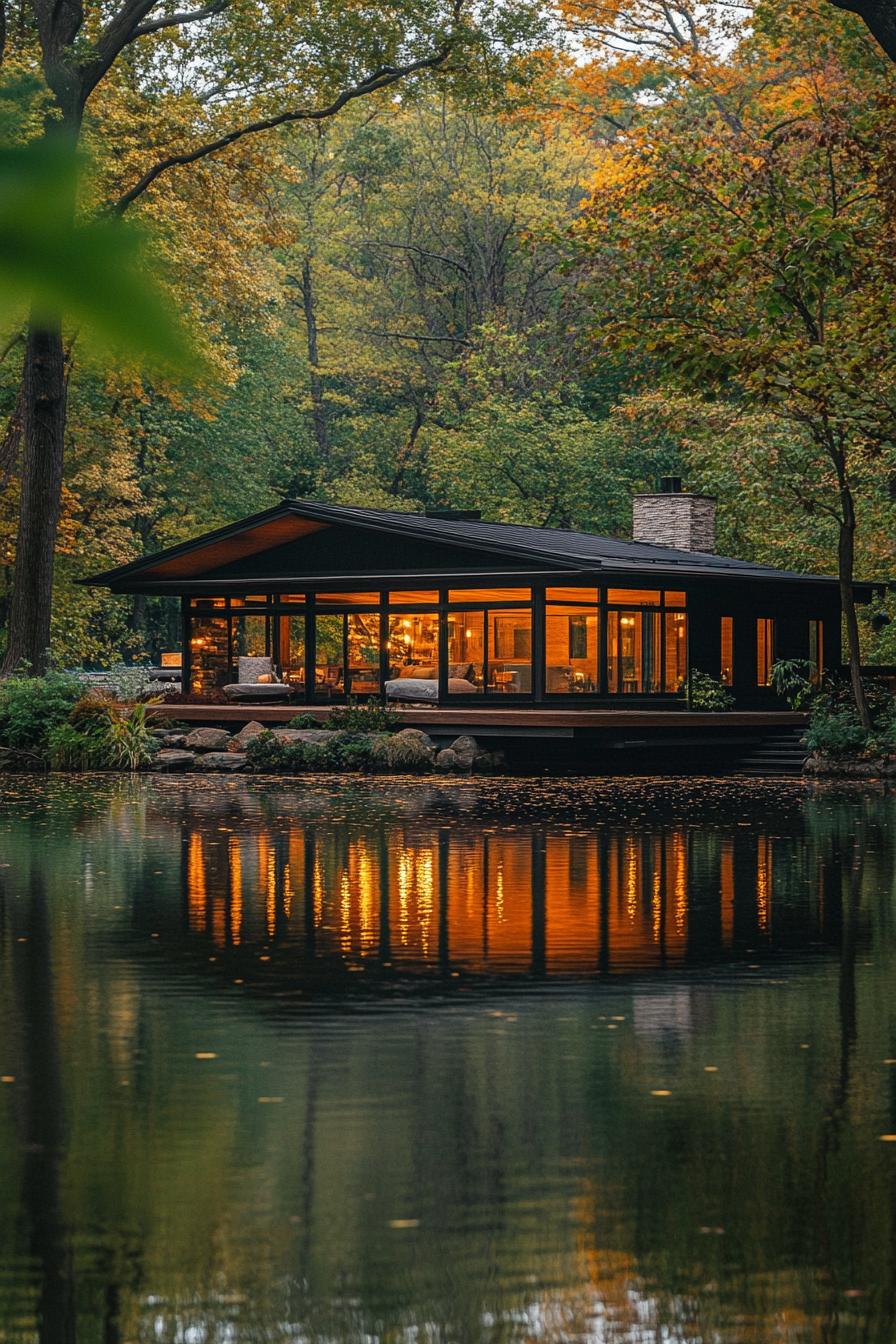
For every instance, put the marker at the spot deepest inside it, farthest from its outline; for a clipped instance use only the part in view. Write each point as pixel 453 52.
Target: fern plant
pixel 131 743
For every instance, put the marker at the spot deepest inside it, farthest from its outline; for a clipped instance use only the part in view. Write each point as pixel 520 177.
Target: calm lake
pixel 395 1061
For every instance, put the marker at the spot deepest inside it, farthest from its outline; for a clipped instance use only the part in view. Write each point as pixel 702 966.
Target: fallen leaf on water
pixel 888 1138
pixel 268 1101
pixel 8 1078
pixel 660 1092
pixel 404 1222
pixel 205 1054
pixel 710 1068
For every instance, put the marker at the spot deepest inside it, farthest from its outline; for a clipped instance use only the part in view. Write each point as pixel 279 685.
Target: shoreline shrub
pixel 31 708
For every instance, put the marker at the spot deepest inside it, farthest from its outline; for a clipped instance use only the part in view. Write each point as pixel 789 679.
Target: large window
pixel 633 652
pixel 726 636
pixel 329 651
pixel 362 639
pixel 675 652
pixel 250 637
pixel 466 652
pixel 291 649
pixel 490 645
pixel 765 650
pixel 647 645
pixel 571 641
pixel 209 653
pixel 510 651
pixel 413 645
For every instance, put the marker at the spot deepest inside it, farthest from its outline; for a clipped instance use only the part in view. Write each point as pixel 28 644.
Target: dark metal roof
pixel 566 549
pixel 581 549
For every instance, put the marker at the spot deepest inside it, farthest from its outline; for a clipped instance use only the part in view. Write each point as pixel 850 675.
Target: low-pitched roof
pixel 515 542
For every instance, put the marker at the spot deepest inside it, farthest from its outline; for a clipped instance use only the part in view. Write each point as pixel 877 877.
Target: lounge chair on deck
pixel 257 682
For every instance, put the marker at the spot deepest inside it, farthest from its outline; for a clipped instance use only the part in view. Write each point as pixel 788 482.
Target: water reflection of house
pixel 663 1014
pixel 500 900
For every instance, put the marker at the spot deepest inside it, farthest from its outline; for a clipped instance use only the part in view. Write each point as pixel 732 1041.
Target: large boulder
pixel 241 740
pixel 448 762
pixel 229 761
pixel 466 749
pixel 411 749
pixel 319 736
pixel 207 739
pixel 170 759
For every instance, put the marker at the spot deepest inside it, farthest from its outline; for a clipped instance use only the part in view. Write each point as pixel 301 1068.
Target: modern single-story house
pixel 446 608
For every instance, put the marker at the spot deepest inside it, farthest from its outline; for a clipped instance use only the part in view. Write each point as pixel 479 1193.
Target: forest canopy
pixel 559 255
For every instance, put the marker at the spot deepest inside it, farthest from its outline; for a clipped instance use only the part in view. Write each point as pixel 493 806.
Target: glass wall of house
pixel 470 641
pixel 647 634
pixel 489 641
pixel 571 641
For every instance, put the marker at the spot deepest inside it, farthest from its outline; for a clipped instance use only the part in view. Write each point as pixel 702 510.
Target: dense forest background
pixel 661 243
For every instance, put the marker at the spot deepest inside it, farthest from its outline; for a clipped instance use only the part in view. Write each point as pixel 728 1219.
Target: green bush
pixel 71 748
pixel 305 720
pixel 707 694
pixel 835 732
pixel 30 709
pixel 346 751
pixel 368 718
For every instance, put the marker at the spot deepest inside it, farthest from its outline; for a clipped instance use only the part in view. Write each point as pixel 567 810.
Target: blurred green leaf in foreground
pixel 89 271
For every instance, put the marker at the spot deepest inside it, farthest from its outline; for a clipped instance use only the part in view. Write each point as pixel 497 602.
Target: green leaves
pixel 91 273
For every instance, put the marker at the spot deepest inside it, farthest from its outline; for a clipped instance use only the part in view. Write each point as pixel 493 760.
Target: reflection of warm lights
pixel 631 879
pixel 763 882
pixel 196 895
pixel 236 891
pixel 727 886
pixel 627 620
pixel 487 914
pixel 468 634
pixel 680 879
pixel 656 894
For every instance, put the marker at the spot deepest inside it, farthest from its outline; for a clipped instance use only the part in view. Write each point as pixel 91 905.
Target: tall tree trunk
pixel 318 408
pixel 846 563
pixel 45 387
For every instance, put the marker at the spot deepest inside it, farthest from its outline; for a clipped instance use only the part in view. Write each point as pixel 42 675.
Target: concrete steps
pixel 778 753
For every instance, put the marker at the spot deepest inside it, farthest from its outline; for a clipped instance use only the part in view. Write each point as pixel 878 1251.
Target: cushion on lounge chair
pixel 412 688
pixel 272 690
pixel 427 689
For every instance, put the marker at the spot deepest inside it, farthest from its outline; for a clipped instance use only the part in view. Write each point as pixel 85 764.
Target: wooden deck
pixel 495 721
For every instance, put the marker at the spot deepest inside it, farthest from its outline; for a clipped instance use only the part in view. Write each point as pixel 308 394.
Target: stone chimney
pixel 673 518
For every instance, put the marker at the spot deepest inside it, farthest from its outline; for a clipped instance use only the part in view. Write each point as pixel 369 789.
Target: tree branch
pixel 175 20
pixel 879 17
pixel 379 79
pixel 119 31
pixel 410 336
